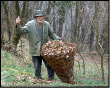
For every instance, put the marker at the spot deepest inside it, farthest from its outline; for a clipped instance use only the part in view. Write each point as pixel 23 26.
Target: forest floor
pixel 16 71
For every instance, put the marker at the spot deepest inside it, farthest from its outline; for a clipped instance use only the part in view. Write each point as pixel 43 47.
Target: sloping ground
pixel 17 71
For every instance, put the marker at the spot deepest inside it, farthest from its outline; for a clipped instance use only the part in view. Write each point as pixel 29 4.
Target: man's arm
pixel 52 34
pixel 24 29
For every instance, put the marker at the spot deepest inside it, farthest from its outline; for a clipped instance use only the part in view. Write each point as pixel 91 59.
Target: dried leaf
pixel 56 48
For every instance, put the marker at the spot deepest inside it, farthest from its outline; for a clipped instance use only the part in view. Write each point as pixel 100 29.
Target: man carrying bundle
pixel 38 31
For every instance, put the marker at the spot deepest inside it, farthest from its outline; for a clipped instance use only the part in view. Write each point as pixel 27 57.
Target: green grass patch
pixel 12 67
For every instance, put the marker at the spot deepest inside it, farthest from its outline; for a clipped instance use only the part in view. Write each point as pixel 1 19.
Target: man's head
pixel 39 15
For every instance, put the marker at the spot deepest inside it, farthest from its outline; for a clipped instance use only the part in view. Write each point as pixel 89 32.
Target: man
pixel 38 31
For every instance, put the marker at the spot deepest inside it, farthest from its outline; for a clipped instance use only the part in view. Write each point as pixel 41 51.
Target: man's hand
pixel 60 38
pixel 18 20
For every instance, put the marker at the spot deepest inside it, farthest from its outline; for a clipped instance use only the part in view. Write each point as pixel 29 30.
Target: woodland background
pixel 82 22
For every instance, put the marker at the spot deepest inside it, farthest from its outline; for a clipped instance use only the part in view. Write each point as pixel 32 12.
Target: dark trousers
pixel 37 61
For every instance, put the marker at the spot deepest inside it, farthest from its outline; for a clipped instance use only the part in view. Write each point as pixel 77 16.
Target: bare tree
pixel 5 5
pixel 23 15
pixel 98 47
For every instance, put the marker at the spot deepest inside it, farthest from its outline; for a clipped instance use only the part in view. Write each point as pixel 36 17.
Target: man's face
pixel 40 19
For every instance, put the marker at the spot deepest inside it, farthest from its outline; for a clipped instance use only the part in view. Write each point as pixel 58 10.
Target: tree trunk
pixel 48 11
pixel 61 12
pixel 54 23
pixel 23 16
pixel 76 22
pixel 17 35
pixel 92 34
pixel 97 40
pixel 24 13
pixel 83 65
pixel 7 19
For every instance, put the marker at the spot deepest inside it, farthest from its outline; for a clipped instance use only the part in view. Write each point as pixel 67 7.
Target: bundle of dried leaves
pixel 56 48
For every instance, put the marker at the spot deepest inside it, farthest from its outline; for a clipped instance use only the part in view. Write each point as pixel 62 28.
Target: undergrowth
pixel 12 67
